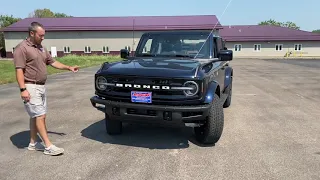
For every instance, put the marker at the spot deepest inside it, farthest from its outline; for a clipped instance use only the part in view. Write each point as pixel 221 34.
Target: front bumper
pixel 149 113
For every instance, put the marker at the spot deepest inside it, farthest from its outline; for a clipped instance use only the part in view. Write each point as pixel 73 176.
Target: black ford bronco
pixel 174 77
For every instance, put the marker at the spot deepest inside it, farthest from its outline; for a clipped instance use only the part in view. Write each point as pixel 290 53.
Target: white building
pixel 107 35
pixel 264 41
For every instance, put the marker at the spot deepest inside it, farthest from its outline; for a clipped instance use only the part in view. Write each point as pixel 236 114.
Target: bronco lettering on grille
pixel 144 86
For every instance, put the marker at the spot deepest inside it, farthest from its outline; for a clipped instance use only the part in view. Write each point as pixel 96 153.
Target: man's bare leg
pixel 33 131
pixel 42 129
pixel 41 126
pixel 45 124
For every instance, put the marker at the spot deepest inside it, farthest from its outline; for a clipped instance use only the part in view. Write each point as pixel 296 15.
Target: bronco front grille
pixel 162 89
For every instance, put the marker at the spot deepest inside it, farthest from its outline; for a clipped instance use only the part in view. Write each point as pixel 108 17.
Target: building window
pixel 128 48
pixel 237 47
pixel 145 50
pixel 297 47
pixel 105 49
pixel 147 46
pixel 279 47
pixel 257 47
pixel 87 49
pixel 66 49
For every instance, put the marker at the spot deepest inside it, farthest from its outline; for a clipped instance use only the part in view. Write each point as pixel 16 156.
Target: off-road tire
pixel 113 127
pixel 227 103
pixel 211 131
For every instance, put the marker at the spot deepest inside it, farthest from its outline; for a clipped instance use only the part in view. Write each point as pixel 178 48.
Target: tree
pixel 46 13
pixel 273 22
pixel 290 24
pixel 316 31
pixel 61 15
pixel 270 22
pixel 5 21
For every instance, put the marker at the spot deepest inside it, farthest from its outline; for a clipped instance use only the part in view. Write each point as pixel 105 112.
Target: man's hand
pixel 74 68
pixel 25 96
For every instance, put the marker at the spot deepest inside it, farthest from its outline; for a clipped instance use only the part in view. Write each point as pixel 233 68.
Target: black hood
pixel 156 67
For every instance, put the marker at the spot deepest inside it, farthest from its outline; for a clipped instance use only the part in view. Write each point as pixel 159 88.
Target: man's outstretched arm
pixel 59 65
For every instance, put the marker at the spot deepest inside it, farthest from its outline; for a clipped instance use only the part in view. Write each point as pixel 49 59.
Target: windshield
pixel 175 45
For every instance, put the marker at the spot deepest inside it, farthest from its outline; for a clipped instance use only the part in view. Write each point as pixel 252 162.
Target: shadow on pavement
pixel 141 135
pixel 21 140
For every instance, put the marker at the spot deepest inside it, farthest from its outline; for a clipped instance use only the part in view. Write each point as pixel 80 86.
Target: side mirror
pixel 226 55
pixel 124 53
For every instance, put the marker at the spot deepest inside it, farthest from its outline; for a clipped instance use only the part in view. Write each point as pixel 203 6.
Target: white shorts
pixel 37 105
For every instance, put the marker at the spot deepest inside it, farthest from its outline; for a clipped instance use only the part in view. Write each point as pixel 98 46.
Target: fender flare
pixel 212 88
pixel 228 76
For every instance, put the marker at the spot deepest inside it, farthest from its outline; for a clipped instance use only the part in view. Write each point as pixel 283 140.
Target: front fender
pixel 228 75
pixel 211 89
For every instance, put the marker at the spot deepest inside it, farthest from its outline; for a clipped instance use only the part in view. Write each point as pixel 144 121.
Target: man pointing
pixel 30 60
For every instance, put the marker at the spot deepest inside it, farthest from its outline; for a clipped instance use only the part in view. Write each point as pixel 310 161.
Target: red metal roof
pixel 150 23
pixel 121 23
pixel 266 33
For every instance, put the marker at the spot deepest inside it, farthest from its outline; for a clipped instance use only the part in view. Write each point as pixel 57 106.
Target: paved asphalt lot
pixel 272 131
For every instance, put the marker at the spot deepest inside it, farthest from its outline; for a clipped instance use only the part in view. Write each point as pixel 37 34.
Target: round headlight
pixel 101 83
pixel 194 88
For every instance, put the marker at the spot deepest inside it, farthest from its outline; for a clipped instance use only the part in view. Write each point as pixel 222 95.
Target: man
pixel 30 60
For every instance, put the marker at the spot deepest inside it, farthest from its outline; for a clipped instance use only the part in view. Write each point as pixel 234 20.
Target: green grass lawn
pixel 7 71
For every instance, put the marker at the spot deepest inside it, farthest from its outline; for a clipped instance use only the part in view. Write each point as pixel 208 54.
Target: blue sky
pixel 305 13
